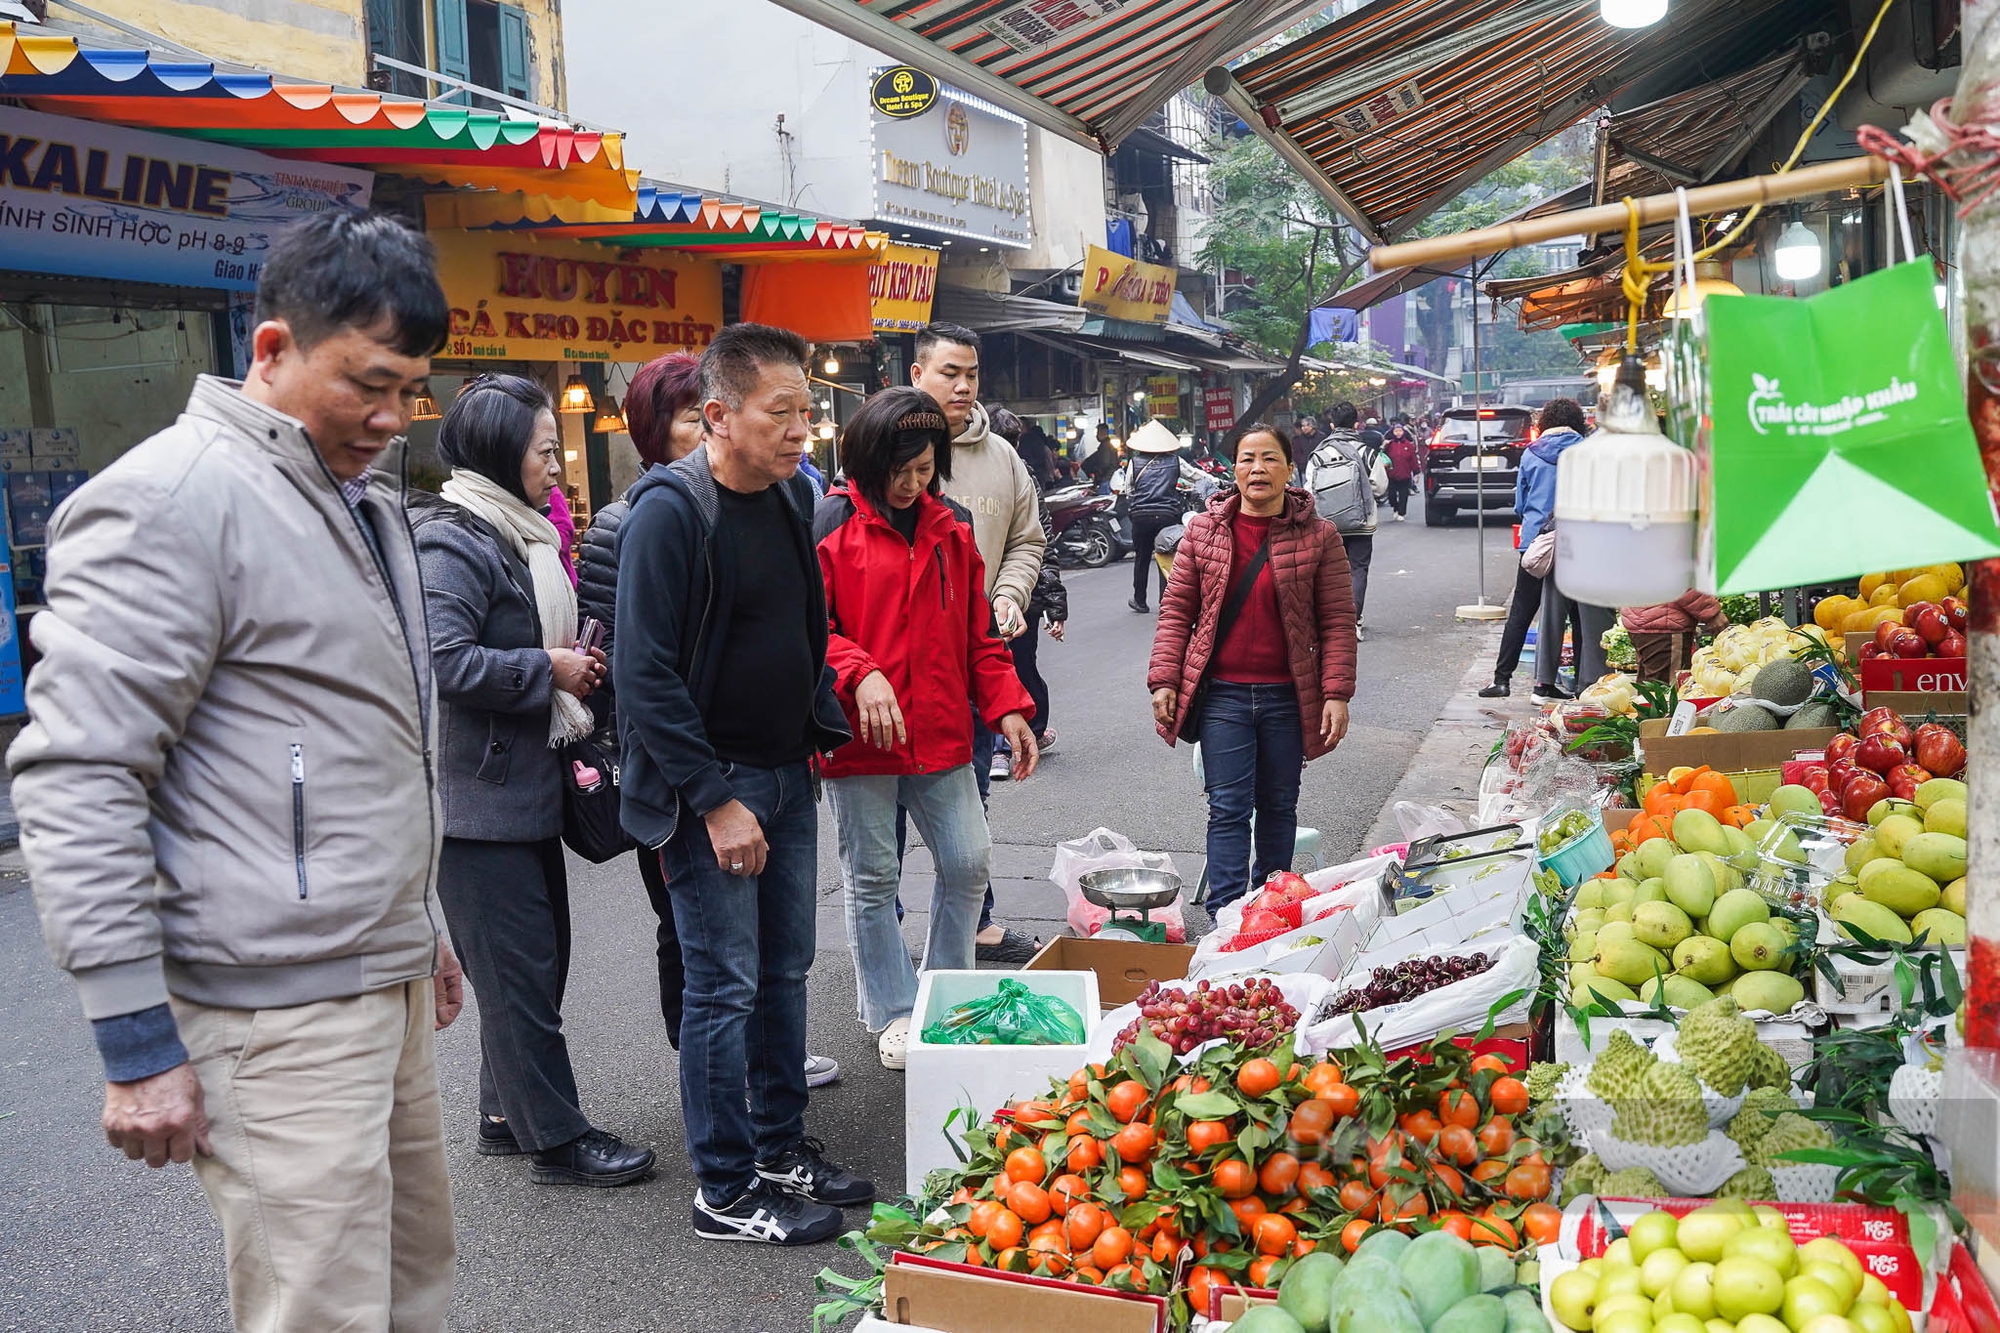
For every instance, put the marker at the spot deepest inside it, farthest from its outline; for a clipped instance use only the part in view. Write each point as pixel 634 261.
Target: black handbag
pixel 590 799
pixel 1232 607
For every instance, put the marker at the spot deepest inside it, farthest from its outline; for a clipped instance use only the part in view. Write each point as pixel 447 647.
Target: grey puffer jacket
pixel 500 780
pixel 597 571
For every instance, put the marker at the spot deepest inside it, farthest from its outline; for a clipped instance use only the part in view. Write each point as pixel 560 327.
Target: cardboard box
pixel 30 526
pixel 1916 705
pixel 1726 752
pixel 1925 675
pixel 941 1080
pixel 962 1299
pixel 1123 968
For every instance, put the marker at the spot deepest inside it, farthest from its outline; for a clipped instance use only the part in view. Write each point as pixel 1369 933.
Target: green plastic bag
pixel 1833 436
pixel 1012 1016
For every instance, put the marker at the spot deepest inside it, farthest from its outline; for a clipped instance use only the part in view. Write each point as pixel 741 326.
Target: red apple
pixel 1885 720
pixel 1861 795
pixel 1841 772
pixel 1932 623
pixel 1880 752
pixel 1909 643
pixel 1904 779
pixel 1940 750
pixel 1829 803
pixel 1883 631
pixel 1816 778
pixel 1869 652
pixel 1956 611
pixel 1842 746
pixel 1951 645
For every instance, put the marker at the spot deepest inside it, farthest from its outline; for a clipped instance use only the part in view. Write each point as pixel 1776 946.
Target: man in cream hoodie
pixel 988 478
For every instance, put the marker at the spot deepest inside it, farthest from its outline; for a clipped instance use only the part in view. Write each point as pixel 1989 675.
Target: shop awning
pixel 722 228
pixel 1092 72
pixel 448 144
pixel 1385 286
pixel 1696 135
pixel 1397 107
pixel 995 312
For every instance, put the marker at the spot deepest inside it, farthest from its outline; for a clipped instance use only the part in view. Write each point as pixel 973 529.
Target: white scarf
pixel 533 538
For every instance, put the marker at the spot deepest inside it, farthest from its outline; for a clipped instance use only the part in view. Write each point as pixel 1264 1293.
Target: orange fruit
pixel 1131 1182
pixel 1421 1126
pixel 1273 1233
pixel 1344 1100
pixel 1205 1134
pixel 1234 1179
pixel 1078 1123
pixel 1083 1223
pixel 1257 1077
pixel 1355 1196
pixel 1458 1143
pixel 1201 1281
pixel 1303 1246
pixel 1509 1096
pixel 1490 1170
pixel 1311 1121
pixel 1456 1106
pixel 1085 1154
pixel 1079 1085
pixel 1004 1231
pixel 1489 1228
pixel 1030 1201
pixel 1134 1143
pixel 1126 1101
pixel 1052 1227
pixel 1543 1223
pixel 1528 1182
pixel 1497 1135
pixel 1448 1180
pixel 962 1195
pixel 1260 1269
pixel 1279 1174
pixel 1498 1064
pixel 1088 1275
pixel 1248 1210
pixel 1351 1234
pixel 1031 1114
pixel 1113 1246
pixel 1457 1223
pixel 1321 1077
pixel 982 1217
pixel 1012 1260
pixel 1395 1209
pixel 1295 1204
pixel 1066 1191
pixel 1165 1247
pixel 1027 1164
pixel 1313 1176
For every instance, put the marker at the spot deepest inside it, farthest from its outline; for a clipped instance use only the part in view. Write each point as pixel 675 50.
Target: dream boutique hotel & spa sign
pixel 960 168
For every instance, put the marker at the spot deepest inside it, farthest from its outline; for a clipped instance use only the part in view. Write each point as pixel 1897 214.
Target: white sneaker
pixel 1003 767
pixel 894 1044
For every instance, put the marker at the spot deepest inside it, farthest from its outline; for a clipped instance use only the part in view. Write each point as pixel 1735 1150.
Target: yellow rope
pixel 1639 272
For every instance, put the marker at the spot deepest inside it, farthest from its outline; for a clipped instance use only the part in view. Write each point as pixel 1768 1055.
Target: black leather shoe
pixel 1497 690
pixel 496 1138
pixel 594 1158
pixel 1139 605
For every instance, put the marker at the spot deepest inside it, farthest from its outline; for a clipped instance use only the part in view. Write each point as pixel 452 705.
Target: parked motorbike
pixel 1085 527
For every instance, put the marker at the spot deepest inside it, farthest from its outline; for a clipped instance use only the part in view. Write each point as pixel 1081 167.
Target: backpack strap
pixel 828 516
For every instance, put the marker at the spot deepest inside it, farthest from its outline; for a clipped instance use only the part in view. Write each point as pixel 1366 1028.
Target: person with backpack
pixel 1342 484
pixel 1155 496
pixel 911 639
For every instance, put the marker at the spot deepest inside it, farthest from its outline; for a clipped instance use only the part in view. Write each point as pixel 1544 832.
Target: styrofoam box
pixel 941 1079
pixel 1340 935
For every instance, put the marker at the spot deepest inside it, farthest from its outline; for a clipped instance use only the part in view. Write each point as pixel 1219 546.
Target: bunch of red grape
pixel 1407 980
pixel 1252 1013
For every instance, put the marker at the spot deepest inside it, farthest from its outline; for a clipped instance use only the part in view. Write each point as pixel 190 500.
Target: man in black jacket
pixel 724 697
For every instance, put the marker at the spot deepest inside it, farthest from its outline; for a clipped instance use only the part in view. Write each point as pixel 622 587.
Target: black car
pixel 1476 452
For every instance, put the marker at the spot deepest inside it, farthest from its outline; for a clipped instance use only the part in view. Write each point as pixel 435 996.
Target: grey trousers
pixel 1589 622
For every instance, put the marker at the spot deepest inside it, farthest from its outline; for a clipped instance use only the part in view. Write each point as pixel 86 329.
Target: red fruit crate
pixel 1926 675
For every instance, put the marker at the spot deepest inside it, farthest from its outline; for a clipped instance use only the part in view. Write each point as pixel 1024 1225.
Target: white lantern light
pixel 1632 13
pixel 1624 506
pixel 1797 256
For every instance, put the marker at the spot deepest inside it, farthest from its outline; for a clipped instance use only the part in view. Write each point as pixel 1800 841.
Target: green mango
pixel 1857 910
pixel 1939 925
pixel 1939 855
pixel 1306 1293
pixel 1524 1312
pixel 1734 910
pixel 1267 1319
pixel 1894 832
pixel 1475 1314
pixel 1946 816
pixel 1682 992
pixel 1940 789
pixel 1496 1270
pixel 1652 857
pixel 1441 1270
pixel 1772 991
pixel 1600 989
pixel 1704 959
pixel 1374 1312
pixel 1699 831
pixel 1387 1245
pixel 1898 888
pixel 1690 884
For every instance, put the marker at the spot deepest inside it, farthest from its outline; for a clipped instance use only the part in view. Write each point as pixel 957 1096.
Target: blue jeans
pixel 746 945
pixel 985 744
pixel 946 809
pixel 1253 754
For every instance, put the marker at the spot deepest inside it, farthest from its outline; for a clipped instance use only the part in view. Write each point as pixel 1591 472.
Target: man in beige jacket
pixel 988 478
pixel 226 798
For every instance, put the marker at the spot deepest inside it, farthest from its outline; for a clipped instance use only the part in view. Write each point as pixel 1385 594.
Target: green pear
pixel 1734 910
pixel 1758 946
pixel 1703 959
pixel 1690 884
pixel 1946 816
pixel 1660 924
pixel 1940 789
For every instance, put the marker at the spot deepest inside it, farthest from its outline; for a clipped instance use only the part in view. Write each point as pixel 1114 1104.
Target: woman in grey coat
pixel 511 685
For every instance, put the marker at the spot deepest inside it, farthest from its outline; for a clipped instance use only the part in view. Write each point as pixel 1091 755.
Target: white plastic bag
pixel 1423 821
pixel 1461 1006
pixel 1104 850
pixel 1304 991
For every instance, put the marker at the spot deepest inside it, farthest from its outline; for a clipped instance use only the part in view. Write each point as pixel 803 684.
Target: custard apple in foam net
pixel 1768 1069
pixel 1542 1080
pixel 1751 1123
pixel 1718 1043
pixel 1752 1182
pixel 1788 1132
pixel 1582 1177
pixel 1667 1110
pixel 1616 1072
pixel 1634 1182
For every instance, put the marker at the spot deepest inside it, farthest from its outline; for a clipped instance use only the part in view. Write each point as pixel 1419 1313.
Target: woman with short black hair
pixel 510 685
pixel 911 641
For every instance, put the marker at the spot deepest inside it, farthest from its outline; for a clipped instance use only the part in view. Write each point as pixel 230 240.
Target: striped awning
pixel 1402 104
pixel 721 228
pixel 1091 70
pixel 448 144
pixel 1695 135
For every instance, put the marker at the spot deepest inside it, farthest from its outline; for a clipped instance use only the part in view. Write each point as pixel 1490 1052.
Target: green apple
pixel 1703 1232
pixel 1774 1247
pixel 1694 1291
pixel 1758 1323
pixel 1827 1250
pixel 1873 1289
pixel 1663 1305
pixel 1618 1254
pixel 1618 1280
pixel 1767 1216
pixel 1844 1282
pixel 1746 1284
pixel 1806 1298
pixel 1627 1305
pixel 1626 1321
pixel 1719 1326
pixel 1651 1231
pixel 1573 1297
pixel 1900 1315
pixel 1679 1323
pixel 1657 1274
pixel 1868 1317
pixel 1827 1323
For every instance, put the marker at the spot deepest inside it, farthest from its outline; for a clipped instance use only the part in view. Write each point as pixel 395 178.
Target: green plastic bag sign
pixel 1832 437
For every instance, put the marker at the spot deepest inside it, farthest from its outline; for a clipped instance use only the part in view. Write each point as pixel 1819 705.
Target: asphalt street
pixel 92 1241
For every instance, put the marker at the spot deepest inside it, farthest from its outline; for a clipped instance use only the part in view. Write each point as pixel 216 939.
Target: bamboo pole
pixel 1803 183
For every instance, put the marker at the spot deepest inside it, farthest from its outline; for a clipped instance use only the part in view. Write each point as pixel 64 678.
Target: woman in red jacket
pixel 911 640
pixel 1256 642
pixel 1663 634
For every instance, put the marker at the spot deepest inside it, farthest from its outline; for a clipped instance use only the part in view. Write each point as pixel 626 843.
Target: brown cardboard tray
pixel 1123 967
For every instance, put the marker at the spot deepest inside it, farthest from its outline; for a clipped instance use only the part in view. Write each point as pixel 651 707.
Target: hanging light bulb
pixel 425 408
pixel 832 366
pixel 1797 255
pixel 1625 505
pixel 610 418
pixel 1632 13
pixel 1710 279
pixel 826 430
pixel 576 397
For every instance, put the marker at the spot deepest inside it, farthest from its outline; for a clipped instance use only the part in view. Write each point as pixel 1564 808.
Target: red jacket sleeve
pixel 1334 601
pixel 849 660
pixel 1180 604
pixel 989 665
pixel 1701 608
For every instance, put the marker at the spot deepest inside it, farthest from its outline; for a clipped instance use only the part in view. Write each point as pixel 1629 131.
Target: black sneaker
pixel 803 1169
pixel 1552 694
pixel 1497 690
pixel 767 1215
pixel 496 1138
pixel 593 1158
pixel 1138 604
pixel 1013 946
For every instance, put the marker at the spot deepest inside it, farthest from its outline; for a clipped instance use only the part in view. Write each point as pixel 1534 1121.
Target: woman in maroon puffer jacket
pixel 1663 634
pixel 1273 683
